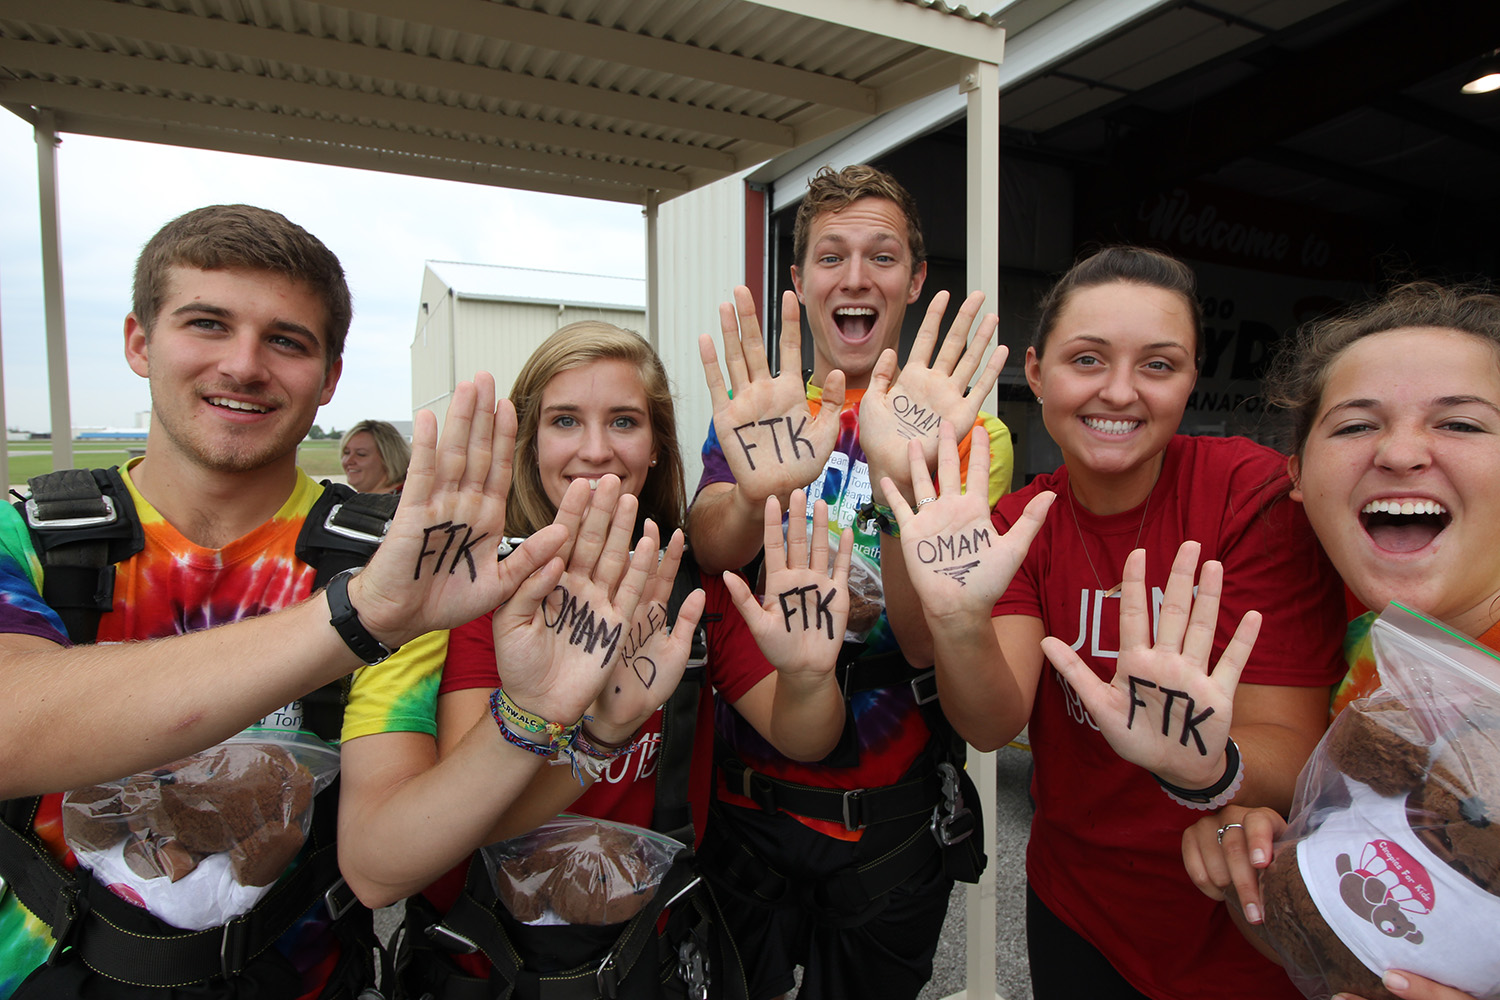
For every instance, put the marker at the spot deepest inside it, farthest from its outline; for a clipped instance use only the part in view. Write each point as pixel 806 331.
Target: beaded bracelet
pixel 1217 795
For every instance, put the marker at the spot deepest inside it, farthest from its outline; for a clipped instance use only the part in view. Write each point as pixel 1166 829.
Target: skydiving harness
pixel 692 956
pixel 933 808
pixel 82 524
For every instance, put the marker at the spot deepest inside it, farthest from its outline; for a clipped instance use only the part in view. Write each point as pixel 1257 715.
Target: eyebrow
pixel 220 312
pixel 842 240
pixel 570 407
pixel 1441 402
pixel 1159 345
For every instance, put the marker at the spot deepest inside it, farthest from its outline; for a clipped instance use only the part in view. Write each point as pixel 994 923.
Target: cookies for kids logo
pixel 1388 889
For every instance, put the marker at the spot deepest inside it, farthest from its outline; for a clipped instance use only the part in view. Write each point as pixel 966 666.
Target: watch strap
pixel 345 621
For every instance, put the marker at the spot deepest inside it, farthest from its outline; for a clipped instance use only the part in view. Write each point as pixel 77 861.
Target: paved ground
pixel 1012 978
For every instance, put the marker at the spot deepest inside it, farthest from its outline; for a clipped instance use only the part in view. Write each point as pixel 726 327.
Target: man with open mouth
pixel 857 900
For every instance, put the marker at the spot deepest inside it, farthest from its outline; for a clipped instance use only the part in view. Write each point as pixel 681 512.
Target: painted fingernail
pixel 1257 857
pixel 1252 913
pixel 1394 980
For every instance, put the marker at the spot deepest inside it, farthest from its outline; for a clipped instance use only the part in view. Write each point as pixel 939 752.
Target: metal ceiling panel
pixel 619 98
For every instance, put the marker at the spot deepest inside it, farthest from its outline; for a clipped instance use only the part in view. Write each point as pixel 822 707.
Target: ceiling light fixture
pixel 1486 75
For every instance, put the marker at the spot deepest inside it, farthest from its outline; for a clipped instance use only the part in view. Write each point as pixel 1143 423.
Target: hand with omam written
pixel 909 405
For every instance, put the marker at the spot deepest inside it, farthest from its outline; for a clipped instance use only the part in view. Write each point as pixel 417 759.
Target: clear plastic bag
pixel 1392 856
pixel 579 870
pixel 199 841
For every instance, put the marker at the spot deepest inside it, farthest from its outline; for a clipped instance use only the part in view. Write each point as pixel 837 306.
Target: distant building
pixel 480 317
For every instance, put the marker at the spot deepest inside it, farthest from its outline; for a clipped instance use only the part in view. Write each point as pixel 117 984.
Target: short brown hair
pixel 1300 372
pixel 663 497
pixel 219 237
pixel 834 190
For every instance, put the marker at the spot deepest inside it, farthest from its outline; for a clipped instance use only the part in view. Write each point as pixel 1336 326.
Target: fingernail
pixel 1252 913
pixel 1257 857
pixel 1394 980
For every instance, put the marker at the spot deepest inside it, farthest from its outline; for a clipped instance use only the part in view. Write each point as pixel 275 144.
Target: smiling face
pixel 238 368
pixel 855 286
pixel 594 421
pixel 361 461
pixel 1400 475
pixel 1114 379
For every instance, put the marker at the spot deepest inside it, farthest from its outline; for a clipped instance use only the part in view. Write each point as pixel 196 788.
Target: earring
pixel 1039 399
pixel 653 463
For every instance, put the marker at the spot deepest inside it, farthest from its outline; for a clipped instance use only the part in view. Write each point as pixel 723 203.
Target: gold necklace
pixel 1084 545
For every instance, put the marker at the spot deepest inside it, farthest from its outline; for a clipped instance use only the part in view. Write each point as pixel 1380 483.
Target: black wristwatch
pixel 346 623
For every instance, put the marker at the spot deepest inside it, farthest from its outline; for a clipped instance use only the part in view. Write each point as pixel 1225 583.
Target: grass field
pixel 32 458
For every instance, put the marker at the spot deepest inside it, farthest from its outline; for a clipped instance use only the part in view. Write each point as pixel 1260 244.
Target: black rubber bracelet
pixel 346 623
pixel 1231 769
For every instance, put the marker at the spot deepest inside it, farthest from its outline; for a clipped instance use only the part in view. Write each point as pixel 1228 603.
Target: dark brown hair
pixel 834 190
pixel 1132 266
pixel 220 237
pixel 1299 374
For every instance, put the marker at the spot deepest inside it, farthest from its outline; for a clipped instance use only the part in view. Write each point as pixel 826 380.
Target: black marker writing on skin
pixel 946 548
pixel 640 633
pixel 794 601
pixel 1190 722
pixel 585 627
pixel 916 419
pixel 796 440
pixel 465 550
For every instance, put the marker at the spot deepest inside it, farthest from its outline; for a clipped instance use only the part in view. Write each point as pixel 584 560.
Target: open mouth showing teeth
pixel 1111 426
pixel 855 322
pixel 235 404
pixel 1404 525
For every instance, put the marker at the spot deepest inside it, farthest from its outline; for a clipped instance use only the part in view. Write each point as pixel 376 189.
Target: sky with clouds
pixel 114 195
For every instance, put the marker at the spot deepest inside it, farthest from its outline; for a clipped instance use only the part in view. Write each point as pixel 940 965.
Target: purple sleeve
pixel 715 466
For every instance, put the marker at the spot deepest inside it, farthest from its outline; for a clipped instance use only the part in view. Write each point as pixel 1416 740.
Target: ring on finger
pixel 926 500
pixel 1227 827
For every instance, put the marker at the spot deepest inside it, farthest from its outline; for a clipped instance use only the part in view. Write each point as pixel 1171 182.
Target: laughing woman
pixel 1395 404
pixel 1112 364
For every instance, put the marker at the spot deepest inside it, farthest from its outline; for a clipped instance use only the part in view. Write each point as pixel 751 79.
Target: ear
pixel 1294 473
pixel 918 275
pixel 797 281
pixel 137 347
pixel 330 381
pixel 1033 371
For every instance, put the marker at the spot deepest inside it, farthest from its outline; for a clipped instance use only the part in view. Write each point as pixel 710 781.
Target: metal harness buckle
pixel 853 800
pixel 951 811
pixel 449 939
pixel 337 909
pixel 354 533
pixel 692 967
pixel 35 520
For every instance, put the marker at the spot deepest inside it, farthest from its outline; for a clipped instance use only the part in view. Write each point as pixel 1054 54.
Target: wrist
pixel 343 616
pixel 1216 795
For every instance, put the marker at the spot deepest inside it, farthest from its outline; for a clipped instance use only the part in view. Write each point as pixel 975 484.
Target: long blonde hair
pixel 663 497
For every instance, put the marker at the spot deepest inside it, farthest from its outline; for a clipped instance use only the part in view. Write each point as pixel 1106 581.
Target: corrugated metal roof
pixel 525 284
pixel 601 98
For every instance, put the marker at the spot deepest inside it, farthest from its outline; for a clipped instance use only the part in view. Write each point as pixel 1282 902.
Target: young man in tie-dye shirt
pixel 239 323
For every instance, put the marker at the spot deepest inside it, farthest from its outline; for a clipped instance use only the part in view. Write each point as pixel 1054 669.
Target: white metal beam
pixel 252 42
pixel 359 157
pixel 559 34
pixel 60 408
pixel 905 22
pixel 653 272
pixel 315 98
pixel 65 98
pixel 982 181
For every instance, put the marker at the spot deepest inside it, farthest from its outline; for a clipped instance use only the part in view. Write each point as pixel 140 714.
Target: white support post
pixel 52 292
pixel 981 82
pixel 653 272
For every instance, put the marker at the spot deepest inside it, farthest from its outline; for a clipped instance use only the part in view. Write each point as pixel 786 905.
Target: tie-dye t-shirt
pixel 174 586
pixel 889 725
pixel 1359 653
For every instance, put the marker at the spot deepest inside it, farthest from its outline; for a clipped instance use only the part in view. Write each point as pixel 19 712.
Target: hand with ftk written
pixel 770 438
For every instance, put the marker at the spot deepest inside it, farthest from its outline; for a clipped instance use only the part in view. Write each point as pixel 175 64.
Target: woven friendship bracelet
pixel 590 745
pixel 507 712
